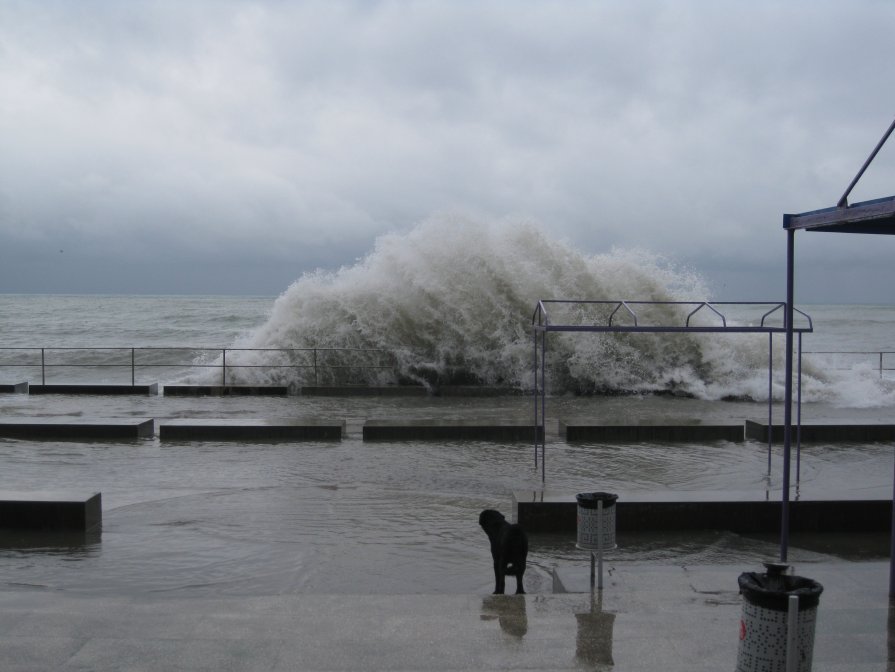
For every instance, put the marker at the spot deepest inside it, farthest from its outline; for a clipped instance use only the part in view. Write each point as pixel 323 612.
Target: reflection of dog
pixel 509 611
pixel 509 549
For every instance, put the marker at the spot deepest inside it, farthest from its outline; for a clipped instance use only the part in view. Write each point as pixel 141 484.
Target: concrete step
pixel 740 512
pixel 144 390
pixel 247 429
pixel 50 510
pixel 77 429
pixel 447 430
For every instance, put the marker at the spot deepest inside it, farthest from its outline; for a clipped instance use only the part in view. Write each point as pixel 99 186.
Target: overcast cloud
pixel 227 147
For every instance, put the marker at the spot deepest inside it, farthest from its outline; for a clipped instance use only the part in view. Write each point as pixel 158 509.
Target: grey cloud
pixel 243 130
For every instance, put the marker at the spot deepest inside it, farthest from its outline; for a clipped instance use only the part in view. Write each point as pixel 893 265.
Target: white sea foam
pixel 451 302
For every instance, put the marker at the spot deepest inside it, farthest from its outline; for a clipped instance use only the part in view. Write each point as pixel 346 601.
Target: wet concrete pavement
pixel 648 617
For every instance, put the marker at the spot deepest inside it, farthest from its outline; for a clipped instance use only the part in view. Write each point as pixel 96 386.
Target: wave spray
pixel 451 302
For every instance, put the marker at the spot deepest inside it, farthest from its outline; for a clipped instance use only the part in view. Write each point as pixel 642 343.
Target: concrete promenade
pixel 648 618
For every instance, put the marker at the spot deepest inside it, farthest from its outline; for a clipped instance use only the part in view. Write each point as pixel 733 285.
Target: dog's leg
pixel 519 572
pixel 499 578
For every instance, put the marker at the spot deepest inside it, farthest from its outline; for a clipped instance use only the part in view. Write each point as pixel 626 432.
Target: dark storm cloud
pixel 285 136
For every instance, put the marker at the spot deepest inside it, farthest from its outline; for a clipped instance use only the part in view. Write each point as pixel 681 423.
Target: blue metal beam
pixel 875 217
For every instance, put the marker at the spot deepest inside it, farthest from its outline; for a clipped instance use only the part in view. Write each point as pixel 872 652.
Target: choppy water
pixel 355 517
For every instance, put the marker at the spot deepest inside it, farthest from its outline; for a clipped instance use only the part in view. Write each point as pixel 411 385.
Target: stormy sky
pixel 227 147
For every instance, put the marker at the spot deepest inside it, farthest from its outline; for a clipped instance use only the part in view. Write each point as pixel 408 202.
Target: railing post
pixel 224 366
pixel 770 399
pixel 133 367
pixel 544 403
pixel 316 380
pixel 799 418
pixel 881 365
pixel 43 369
pixel 535 393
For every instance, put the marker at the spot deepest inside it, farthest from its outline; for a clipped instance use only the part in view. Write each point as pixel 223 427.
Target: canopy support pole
pixel 787 402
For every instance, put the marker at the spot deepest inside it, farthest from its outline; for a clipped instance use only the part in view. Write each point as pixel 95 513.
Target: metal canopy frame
pixel 869 217
pixel 623 318
pixel 876 217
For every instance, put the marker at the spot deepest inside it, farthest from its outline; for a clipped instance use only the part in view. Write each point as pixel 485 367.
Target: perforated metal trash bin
pixel 764 625
pixel 589 528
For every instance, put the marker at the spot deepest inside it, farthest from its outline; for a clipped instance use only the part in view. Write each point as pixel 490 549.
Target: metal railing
pixel 878 357
pixel 320 365
pixel 595 316
pixel 327 365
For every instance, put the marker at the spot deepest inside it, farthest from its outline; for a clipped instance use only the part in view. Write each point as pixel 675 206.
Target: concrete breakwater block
pixel 740 512
pixel 827 433
pixel 50 510
pixel 251 430
pixel 474 391
pixel 364 391
pixel 448 430
pixel 225 391
pixel 145 390
pixel 14 388
pixel 67 429
pixel 574 431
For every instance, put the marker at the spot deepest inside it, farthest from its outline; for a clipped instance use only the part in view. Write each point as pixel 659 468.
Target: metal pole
pixel 535 394
pixel 600 543
pixel 544 409
pixel 843 201
pixel 133 374
pixel 799 420
pixel 593 571
pixel 770 399
pixel 43 368
pixel 892 545
pixel 224 367
pixel 792 634
pixel 596 559
pixel 787 403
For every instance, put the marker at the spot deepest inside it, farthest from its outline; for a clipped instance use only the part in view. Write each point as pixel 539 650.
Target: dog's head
pixel 490 519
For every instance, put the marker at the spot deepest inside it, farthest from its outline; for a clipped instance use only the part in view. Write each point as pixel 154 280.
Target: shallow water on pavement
pixel 356 517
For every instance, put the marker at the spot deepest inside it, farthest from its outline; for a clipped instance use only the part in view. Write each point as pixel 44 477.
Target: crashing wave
pixel 451 302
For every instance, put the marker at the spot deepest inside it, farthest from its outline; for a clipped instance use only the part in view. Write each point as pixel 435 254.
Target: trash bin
pixel 765 636
pixel 589 528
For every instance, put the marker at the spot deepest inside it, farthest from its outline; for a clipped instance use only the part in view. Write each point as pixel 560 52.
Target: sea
pixel 354 517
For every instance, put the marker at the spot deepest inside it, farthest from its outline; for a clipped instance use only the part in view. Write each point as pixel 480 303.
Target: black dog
pixel 509 548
